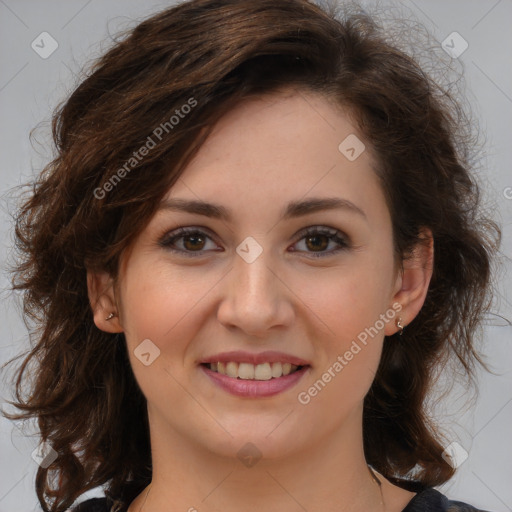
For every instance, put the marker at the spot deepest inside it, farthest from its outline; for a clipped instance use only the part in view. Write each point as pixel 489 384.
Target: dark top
pixel 428 500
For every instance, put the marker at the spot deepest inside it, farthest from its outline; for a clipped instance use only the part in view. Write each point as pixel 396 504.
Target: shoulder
pixel 430 500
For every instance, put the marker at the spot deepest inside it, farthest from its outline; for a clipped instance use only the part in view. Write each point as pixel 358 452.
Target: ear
pixel 100 287
pixel 412 284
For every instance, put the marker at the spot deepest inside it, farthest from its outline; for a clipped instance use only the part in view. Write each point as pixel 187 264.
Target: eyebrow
pixel 292 210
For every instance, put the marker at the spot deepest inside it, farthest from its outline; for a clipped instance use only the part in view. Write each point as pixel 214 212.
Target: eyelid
pixel 342 239
pixel 182 231
pixel 334 234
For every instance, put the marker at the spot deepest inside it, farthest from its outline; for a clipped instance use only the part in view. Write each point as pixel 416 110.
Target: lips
pixel 255 388
pixel 268 356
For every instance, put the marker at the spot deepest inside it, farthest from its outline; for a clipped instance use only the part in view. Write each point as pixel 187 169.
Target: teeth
pixel 277 370
pixel 232 369
pixel 248 371
pixel 263 371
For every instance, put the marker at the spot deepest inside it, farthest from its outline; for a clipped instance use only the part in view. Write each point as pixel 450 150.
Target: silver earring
pixel 109 317
pixel 400 326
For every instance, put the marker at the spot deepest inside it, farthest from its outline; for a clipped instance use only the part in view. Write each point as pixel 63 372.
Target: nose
pixel 255 299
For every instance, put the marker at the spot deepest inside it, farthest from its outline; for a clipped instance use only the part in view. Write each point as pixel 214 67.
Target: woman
pixel 258 241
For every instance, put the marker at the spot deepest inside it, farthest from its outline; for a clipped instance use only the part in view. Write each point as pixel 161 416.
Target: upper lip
pixel 269 356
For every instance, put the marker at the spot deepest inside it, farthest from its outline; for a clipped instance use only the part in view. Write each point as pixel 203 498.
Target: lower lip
pixel 255 388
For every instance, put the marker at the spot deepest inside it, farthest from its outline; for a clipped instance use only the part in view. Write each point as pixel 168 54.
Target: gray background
pixel 30 87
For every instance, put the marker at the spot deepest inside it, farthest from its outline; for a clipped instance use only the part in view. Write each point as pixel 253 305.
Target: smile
pixel 248 371
pixel 275 381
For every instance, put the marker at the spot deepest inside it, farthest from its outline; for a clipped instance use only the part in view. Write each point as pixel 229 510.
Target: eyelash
pixel 332 234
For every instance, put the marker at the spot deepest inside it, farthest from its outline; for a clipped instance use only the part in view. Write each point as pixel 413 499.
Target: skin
pixel 263 154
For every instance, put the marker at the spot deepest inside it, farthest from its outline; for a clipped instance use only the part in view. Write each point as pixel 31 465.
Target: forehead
pixel 285 146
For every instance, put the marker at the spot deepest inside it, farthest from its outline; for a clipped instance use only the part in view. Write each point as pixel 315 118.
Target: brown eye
pixel 193 242
pixel 317 240
pixel 188 242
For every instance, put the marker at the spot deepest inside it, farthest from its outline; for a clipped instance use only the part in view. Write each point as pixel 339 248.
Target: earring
pixel 400 326
pixel 109 317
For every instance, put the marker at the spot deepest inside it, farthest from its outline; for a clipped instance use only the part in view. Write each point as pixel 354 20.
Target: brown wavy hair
pixel 217 53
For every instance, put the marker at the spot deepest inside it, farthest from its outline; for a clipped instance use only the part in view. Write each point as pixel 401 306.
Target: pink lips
pixel 255 388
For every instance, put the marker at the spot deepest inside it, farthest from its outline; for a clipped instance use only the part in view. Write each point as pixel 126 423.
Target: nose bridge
pixel 253 279
pixel 254 299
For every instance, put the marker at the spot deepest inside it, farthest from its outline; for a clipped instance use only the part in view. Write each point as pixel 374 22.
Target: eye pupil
pixel 196 239
pixel 317 239
pixel 315 242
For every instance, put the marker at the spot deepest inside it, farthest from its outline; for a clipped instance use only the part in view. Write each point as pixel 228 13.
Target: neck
pixel 330 475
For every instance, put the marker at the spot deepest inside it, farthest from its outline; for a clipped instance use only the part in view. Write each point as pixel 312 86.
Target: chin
pixel 249 445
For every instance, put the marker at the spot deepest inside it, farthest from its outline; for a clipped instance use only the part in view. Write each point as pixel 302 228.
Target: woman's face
pixel 259 272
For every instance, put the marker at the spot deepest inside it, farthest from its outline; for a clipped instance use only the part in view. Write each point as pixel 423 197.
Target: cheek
pixel 348 355
pixel 350 305
pixel 349 299
pixel 163 308
pixel 165 305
